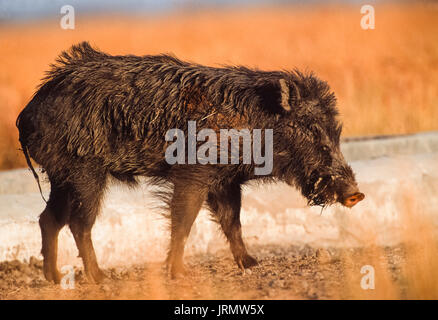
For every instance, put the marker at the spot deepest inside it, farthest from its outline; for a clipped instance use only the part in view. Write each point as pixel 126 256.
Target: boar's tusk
pixel 317 183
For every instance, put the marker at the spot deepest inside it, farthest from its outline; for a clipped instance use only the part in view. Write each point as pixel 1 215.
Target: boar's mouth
pixel 319 191
pixel 327 190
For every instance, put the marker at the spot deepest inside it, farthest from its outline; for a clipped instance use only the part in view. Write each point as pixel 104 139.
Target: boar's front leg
pixel 225 205
pixel 186 202
pixel 88 189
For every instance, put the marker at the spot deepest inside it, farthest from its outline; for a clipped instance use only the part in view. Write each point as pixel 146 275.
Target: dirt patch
pixel 284 272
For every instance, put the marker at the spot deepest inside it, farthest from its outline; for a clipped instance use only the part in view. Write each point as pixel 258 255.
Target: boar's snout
pixel 350 200
pixel 347 192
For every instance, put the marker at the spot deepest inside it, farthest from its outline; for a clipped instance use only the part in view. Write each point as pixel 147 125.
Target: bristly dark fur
pixel 96 115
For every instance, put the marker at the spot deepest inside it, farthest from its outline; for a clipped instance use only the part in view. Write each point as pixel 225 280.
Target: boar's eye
pixel 326 149
pixel 313 128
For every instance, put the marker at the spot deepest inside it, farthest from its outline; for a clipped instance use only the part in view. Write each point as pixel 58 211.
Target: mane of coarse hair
pixel 69 58
pixel 237 89
pixel 78 52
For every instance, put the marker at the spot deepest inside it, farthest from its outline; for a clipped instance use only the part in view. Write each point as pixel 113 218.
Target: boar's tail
pixel 25 150
pixel 29 164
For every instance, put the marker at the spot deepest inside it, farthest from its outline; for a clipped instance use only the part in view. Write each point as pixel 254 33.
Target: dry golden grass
pixel 421 268
pixel 383 78
pixel 417 259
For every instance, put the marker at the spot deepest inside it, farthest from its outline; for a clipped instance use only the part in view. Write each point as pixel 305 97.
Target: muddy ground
pixel 288 272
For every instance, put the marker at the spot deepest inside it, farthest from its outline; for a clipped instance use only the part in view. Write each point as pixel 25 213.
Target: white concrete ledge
pixel 400 183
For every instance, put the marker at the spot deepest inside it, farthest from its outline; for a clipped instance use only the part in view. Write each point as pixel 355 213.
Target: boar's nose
pixel 350 201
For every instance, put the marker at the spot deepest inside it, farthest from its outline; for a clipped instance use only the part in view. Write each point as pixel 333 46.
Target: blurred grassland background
pixel 386 79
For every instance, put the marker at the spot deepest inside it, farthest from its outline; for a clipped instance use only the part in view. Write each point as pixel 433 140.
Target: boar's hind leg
pixel 184 208
pixel 87 198
pixel 51 221
pixel 225 205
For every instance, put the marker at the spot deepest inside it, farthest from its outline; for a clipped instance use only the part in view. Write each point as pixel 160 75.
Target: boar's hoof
pixel 177 272
pixel 52 275
pixel 95 276
pixel 246 262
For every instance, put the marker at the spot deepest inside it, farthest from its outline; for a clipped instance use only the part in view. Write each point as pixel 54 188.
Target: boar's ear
pixel 284 92
pixel 275 96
